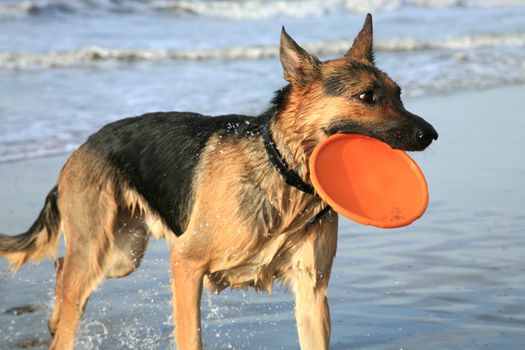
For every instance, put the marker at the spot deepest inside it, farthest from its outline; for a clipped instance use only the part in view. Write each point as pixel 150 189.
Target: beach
pixel 452 280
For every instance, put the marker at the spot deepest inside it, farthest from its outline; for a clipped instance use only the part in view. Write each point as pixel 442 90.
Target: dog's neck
pixel 290 150
pixel 291 137
pixel 290 176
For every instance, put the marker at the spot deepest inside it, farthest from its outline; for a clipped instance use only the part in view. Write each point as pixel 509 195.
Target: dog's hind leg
pixel 186 281
pixel 88 207
pixel 126 253
pixel 83 269
pixel 55 316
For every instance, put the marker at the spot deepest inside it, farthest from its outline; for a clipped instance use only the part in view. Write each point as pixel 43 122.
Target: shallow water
pixel 67 68
pixel 453 280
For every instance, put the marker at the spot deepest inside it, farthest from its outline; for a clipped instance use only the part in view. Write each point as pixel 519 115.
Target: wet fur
pixel 207 186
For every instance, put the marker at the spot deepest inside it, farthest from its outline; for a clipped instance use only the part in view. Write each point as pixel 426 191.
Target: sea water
pixel 69 67
pixel 453 280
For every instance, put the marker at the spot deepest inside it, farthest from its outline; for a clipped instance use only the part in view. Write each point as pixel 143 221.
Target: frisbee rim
pixel 357 217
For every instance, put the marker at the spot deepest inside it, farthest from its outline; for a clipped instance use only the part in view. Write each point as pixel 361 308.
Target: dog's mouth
pixel 407 137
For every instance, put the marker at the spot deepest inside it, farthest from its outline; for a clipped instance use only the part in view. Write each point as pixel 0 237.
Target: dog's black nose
pixel 427 134
pixel 434 135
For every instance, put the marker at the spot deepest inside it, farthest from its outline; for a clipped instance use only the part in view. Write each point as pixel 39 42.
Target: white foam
pixel 241 9
pixel 20 9
pixel 255 9
pixel 94 56
pixel 453 43
pixel 467 3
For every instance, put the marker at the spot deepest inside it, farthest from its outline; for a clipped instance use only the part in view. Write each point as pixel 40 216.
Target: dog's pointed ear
pixel 299 66
pixel 362 49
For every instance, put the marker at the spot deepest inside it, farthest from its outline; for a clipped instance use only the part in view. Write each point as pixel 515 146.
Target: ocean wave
pixel 22 9
pixel 240 9
pixel 256 9
pixel 14 9
pixel 98 56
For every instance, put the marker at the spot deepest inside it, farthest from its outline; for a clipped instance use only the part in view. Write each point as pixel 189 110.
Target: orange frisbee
pixel 367 181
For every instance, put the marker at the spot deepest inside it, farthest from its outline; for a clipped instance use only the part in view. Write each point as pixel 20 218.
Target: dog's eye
pixel 368 97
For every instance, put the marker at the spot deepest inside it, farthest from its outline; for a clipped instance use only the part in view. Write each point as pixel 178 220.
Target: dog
pixel 230 194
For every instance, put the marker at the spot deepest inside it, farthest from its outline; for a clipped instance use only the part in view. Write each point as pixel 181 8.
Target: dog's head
pixel 348 95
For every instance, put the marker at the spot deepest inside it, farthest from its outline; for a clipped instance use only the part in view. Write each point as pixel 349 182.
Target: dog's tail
pixel 39 241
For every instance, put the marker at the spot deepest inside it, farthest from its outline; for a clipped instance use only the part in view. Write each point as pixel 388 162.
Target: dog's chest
pixel 257 268
pixel 258 263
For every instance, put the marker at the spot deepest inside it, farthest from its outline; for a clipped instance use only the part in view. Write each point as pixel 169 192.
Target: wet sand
pixel 453 280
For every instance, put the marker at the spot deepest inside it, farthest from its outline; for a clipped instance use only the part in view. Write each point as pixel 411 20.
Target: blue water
pixel 453 280
pixel 66 68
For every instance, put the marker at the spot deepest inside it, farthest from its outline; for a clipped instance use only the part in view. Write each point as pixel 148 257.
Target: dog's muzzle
pixel 412 134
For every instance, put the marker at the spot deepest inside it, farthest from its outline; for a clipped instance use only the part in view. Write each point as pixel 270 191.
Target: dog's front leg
pixel 312 264
pixel 186 281
pixel 311 313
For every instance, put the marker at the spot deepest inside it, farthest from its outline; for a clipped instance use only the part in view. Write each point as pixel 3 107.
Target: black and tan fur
pixel 207 186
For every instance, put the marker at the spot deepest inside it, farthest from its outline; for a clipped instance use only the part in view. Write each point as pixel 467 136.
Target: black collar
pixel 290 176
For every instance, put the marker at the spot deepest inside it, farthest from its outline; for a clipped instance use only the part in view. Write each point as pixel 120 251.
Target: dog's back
pixel 156 154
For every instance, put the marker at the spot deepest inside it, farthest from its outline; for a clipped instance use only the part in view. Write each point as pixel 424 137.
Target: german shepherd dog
pixel 230 194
